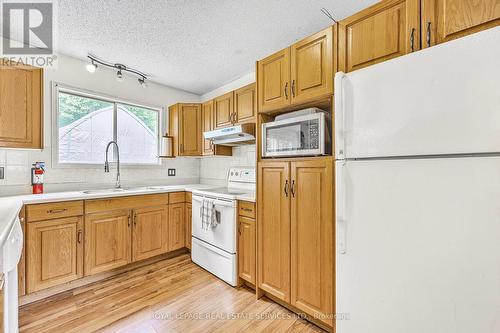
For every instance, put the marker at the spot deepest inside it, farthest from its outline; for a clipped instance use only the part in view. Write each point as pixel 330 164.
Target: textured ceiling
pixel 194 45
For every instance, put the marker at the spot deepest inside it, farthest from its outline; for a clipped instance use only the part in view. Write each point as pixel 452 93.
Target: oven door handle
pixel 217 202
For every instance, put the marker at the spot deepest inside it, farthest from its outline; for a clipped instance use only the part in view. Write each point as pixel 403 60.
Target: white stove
pixel 215 249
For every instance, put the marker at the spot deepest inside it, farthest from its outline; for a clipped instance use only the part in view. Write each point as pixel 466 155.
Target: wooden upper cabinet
pixel 444 20
pixel 107 241
pixel 312 67
pixel 176 226
pixel 386 30
pixel 244 104
pixel 54 253
pixel 246 249
pixel 273 81
pixel 312 238
pixel 223 110
pixel 207 120
pixel 190 130
pixel 207 110
pixel 273 232
pixel 21 106
pixel 150 232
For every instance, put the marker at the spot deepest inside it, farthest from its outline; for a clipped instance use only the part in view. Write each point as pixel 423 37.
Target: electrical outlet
pixel 2 175
pixel 171 172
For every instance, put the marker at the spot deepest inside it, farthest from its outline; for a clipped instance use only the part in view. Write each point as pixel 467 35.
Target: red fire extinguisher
pixel 37 172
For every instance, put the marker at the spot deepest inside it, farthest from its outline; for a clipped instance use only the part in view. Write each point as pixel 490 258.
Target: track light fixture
pixel 119 67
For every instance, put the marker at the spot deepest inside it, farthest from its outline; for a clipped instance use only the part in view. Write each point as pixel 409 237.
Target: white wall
pixel 72 72
pixel 214 169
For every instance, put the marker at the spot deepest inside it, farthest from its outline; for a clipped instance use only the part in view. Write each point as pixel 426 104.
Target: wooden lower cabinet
pixel 54 252
pixel 176 226
pixel 311 240
pixel 107 241
pixel 273 240
pixel 150 232
pixel 189 226
pixel 246 249
pixel 295 234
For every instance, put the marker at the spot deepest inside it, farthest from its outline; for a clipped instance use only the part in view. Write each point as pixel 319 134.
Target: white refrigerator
pixel 417 149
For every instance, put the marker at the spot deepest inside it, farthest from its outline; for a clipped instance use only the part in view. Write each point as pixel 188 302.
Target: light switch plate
pixel 171 172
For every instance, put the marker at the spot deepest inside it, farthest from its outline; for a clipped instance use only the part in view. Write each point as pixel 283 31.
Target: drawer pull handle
pixel 79 236
pixel 57 211
pixel 247 209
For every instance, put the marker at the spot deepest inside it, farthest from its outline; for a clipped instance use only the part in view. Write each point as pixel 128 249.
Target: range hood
pixel 232 136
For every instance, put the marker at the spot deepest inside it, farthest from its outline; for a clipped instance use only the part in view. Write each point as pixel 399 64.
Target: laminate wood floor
pixel 171 295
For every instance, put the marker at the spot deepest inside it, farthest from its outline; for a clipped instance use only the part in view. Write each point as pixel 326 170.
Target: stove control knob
pixel 232 173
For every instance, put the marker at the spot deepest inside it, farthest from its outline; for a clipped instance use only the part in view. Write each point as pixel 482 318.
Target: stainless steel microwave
pixel 304 135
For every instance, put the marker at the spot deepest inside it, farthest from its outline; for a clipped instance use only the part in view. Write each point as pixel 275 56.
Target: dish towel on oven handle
pixel 208 214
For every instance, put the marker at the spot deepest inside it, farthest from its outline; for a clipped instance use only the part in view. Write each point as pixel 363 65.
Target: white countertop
pixel 80 195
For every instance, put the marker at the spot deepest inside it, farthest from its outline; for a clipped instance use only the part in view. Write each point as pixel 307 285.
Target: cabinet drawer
pixel 124 203
pixel 176 197
pixel 189 197
pixel 246 209
pixel 54 210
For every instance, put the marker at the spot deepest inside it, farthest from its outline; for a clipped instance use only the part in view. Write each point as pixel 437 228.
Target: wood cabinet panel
pixel 381 32
pixel 190 130
pixel 223 110
pixel 54 252
pixel 176 197
pixel 176 226
pixel 246 209
pixel 312 238
pixel 189 226
pixel 21 107
pixel 207 110
pixel 107 241
pixel 246 249
pixel 40 212
pixel 312 67
pixel 125 203
pixel 150 232
pixel 244 104
pixel 273 81
pixel 444 20
pixel 273 238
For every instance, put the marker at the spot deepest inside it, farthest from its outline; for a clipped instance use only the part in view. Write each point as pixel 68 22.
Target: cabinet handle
pixel 293 88
pixel 56 211
pixel 428 34
pixel 286 90
pixel 129 221
pixel 412 39
pixel 286 188
pixel 182 148
pixel 135 220
pixel 292 190
pixel 239 228
pixel 235 118
pixel 247 209
pixel 79 236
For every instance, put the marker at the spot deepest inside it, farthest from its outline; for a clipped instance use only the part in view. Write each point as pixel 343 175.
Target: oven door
pixel 299 136
pixel 222 236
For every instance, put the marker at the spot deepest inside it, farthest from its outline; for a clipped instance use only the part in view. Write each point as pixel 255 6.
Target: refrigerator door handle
pixel 340 208
pixel 339 116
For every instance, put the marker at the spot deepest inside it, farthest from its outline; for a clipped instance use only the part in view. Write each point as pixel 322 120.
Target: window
pixel 87 123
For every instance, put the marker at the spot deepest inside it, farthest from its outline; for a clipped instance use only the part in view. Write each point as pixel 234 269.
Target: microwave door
pixel 283 139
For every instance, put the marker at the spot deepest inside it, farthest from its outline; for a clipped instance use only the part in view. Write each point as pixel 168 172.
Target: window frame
pixel 59 87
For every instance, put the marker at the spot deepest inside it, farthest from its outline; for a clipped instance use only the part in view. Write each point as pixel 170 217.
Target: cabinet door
pixel 386 30
pixel 190 129
pixel 21 109
pixel 189 225
pixel 207 120
pixel 273 238
pixel 107 241
pixel 312 67
pixel 312 238
pixel 54 252
pixel 244 104
pixel 273 81
pixel 444 20
pixel 150 232
pixel 223 110
pixel 246 249
pixel 176 226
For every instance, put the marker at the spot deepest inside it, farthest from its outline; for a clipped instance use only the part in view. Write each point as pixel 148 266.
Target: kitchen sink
pixel 110 190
